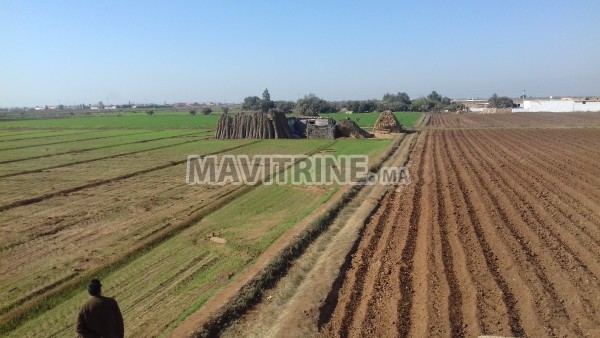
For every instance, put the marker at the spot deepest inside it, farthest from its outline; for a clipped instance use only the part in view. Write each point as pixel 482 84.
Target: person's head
pixel 94 287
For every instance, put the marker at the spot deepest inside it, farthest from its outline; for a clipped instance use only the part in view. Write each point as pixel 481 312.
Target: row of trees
pixel 311 104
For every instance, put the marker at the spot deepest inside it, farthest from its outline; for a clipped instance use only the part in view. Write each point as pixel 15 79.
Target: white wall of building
pixel 558 106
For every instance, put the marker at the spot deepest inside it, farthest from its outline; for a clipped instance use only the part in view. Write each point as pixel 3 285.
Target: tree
pixel 433 102
pixel 251 103
pixel 206 110
pixel 150 112
pixel 434 97
pixel 500 101
pixel 285 106
pixel 266 103
pixel 394 102
pixel 193 112
pixel 422 104
pixel 225 110
pixel 311 105
pixel 266 96
pixel 362 106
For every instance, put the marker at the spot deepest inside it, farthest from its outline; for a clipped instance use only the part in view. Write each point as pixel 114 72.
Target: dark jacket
pixel 100 317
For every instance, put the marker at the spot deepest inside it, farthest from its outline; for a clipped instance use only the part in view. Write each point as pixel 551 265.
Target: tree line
pixel 311 104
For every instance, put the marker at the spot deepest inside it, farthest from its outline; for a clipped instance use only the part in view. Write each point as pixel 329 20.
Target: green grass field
pixel 65 234
pixel 180 274
pixel 171 120
pixel 160 120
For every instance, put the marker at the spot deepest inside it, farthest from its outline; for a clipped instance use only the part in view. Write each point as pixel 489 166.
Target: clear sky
pixel 73 52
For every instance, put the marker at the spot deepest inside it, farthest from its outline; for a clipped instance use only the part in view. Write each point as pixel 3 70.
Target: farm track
pixel 498 235
pixel 93 148
pixel 309 282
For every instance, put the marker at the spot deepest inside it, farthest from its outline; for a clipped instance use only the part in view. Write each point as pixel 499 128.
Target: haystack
pixel 349 128
pixel 270 125
pixel 387 122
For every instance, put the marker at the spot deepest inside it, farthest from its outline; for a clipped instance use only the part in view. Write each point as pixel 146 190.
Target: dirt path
pixel 499 235
pixel 219 301
pixel 307 286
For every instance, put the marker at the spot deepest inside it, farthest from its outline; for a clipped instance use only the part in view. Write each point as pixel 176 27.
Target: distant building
pixel 474 105
pixel 563 105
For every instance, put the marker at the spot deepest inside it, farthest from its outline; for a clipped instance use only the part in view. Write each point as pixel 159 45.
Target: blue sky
pixel 73 52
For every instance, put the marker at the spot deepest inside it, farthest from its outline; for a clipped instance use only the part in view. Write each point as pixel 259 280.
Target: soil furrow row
pixel 490 255
pixel 405 302
pixel 455 303
pixel 557 207
pixel 544 293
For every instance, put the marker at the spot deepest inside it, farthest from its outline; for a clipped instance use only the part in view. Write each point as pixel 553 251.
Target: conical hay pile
pixel 349 128
pixel 387 122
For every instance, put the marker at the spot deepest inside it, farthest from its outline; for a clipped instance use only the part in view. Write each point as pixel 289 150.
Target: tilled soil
pixel 528 120
pixel 499 234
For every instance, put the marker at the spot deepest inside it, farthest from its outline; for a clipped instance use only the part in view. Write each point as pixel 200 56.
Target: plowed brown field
pixel 499 234
pixel 535 120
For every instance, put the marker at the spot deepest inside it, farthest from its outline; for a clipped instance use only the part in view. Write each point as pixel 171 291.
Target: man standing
pixel 100 316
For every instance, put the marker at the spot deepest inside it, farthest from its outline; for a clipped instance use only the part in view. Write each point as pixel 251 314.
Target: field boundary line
pixel 423 121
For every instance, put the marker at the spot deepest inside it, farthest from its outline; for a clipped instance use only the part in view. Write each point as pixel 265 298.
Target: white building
pixel 565 105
